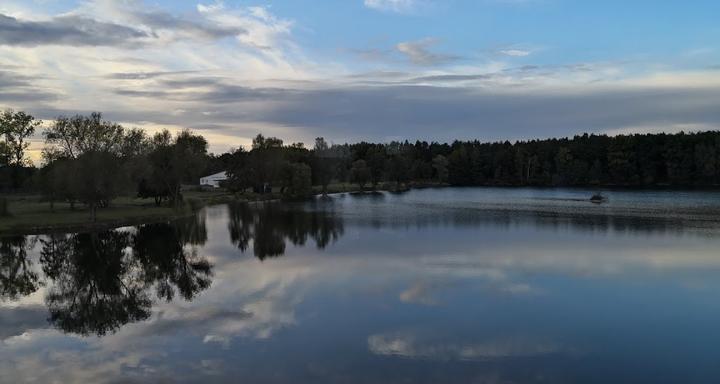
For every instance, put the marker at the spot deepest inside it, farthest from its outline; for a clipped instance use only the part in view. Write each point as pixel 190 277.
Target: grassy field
pixel 29 214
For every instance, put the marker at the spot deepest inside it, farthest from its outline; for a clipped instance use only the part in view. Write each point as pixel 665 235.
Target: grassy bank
pixel 30 214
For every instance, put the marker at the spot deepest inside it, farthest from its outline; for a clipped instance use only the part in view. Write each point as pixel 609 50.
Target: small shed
pixel 214 179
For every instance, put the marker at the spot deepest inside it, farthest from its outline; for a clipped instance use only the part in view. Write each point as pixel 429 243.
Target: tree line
pixel 89 160
pixel 638 160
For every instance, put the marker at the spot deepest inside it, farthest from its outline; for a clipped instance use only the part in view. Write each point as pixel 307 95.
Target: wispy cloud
pixel 414 345
pixel 399 6
pixel 419 53
pixel 515 52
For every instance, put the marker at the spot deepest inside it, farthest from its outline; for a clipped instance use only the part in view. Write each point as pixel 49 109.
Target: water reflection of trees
pixel 102 281
pixel 270 225
pixel 97 286
pixel 585 219
pixel 164 259
pixel 17 277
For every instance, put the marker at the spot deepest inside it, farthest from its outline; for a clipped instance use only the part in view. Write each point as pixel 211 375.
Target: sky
pixel 377 70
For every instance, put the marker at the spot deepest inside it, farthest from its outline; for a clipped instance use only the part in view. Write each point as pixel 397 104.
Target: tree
pixel 260 142
pixel 266 162
pixel 375 159
pixel 440 165
pixel 460 167
pixel 54 182
pixel 360 173
pixel 190 155
pixel 300 180
pixel 238 172
pixel 563 164
pixel 173 162
pixel 79 134
pixel 97 178
pixel 622 163
pixel 706 164
pixel 323 169
pixel 91 160
pixel 16 128
pixel 398 169
pixel 4 152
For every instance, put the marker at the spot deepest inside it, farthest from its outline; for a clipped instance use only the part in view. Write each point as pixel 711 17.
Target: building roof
pixel 222 174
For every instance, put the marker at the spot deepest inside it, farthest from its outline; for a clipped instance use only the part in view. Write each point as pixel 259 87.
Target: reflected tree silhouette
pixel 101 281
pixel 97 286
pixel 17 277
pixel 191 230
pixel 161 251
pixel 270 225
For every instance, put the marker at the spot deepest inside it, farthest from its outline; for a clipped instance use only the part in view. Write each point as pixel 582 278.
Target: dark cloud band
pixel 65 30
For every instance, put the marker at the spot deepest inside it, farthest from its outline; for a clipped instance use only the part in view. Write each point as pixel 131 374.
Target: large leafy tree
pixel 173 162
pixel 72 136
pixel 16 128
pixel 91 160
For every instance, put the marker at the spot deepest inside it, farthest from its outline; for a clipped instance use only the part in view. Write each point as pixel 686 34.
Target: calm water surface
pixel 438 285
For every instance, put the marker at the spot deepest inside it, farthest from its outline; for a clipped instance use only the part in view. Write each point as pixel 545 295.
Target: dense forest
pixel 89 160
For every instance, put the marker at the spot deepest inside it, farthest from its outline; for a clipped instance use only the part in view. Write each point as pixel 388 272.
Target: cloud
pixel 18 88
pixel 515 52
pixel 166 21
pixel 418 52
pixel 517 2
pixel 416 345
pixel 143 75
pixel 452 78
pixel 446 113
pixel 66 30
pixel 421 292
pixel 15 321
pixel 262 29
pixel 230 72
pixel 399 6
pixel 200 319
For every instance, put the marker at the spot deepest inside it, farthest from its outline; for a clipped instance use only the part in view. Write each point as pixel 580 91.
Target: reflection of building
pixel 214 180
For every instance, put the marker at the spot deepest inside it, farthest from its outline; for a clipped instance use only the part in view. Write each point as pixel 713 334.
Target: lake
pixel 452 285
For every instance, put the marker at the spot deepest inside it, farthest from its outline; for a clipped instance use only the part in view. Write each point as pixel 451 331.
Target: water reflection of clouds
pixel 417 345
pixel 430 267
pixel 627 212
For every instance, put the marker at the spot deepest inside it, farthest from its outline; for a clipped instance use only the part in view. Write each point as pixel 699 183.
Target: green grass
pixel 29 214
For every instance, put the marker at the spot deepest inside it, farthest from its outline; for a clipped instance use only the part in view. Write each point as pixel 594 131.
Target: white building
pixel 214 180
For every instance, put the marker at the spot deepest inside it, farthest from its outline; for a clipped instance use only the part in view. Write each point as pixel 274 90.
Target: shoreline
pixel 131 211
pixel 34 213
